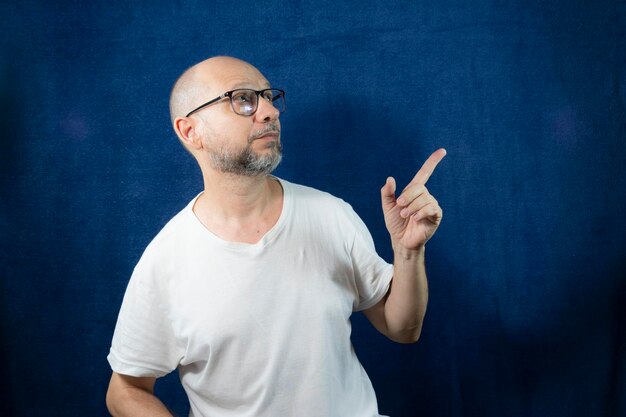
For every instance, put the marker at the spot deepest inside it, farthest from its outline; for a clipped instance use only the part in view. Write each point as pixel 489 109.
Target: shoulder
pixel 171 240
pixel 175 229
pixel 309 195
pixel 329 209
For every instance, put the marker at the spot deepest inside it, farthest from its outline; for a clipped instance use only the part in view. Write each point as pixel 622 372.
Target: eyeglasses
pixel 245 102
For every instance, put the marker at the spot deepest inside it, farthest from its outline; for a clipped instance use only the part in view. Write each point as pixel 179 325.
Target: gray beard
pixel 246 162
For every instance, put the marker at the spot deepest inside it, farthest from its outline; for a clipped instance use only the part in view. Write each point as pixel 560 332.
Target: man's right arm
pixel 130 396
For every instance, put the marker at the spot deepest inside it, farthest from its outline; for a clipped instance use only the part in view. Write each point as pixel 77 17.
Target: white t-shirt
pixel 257 329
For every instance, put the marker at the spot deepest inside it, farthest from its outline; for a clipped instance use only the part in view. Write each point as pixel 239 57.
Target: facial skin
pixel 216 136
pixel 250 160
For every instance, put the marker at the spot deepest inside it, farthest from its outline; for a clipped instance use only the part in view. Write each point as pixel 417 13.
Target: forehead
pixel 232 75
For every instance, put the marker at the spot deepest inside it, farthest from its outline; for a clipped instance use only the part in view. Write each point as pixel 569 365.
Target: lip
pixel 270 135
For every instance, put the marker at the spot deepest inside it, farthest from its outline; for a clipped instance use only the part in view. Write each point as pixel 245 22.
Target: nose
pixel 266 112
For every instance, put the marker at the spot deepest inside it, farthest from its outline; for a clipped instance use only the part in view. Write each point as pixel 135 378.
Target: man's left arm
pixel 411 220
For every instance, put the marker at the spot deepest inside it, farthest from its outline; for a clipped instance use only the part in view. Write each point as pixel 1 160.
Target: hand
pixel 415 215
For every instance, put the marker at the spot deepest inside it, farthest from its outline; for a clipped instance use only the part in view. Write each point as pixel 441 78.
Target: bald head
pixel 206 80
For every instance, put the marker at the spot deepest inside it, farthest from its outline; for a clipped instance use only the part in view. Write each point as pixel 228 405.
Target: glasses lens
pixel 276 97
pixel 244 101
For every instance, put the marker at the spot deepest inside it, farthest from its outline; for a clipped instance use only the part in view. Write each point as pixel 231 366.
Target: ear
pixel 185 129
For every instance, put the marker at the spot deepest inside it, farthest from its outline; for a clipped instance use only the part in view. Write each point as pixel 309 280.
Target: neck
pixel 238 208
pixel 234 197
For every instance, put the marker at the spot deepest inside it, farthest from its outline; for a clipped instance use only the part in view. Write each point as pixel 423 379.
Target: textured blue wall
pixel 527 309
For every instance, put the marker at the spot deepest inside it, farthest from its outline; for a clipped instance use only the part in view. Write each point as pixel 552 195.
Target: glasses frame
pixel 229 94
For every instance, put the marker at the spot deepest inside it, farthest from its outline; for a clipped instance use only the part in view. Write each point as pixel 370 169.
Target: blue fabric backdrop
pixel 527 309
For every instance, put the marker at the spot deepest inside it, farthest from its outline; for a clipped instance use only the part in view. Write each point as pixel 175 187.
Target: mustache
pixel 270 128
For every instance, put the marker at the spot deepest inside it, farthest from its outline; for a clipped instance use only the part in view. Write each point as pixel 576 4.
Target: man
pixel 248 291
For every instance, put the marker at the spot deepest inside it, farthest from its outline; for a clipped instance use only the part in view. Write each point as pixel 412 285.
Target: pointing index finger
pixel 429 167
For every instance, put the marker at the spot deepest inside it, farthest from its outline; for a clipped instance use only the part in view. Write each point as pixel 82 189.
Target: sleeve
pixel 144 344
pixel 372 274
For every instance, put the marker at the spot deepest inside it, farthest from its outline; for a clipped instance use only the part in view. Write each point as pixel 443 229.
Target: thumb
pixel 387 194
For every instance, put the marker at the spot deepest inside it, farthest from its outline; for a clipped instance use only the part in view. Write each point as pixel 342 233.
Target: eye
pixel 268 95
pixel 242 97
